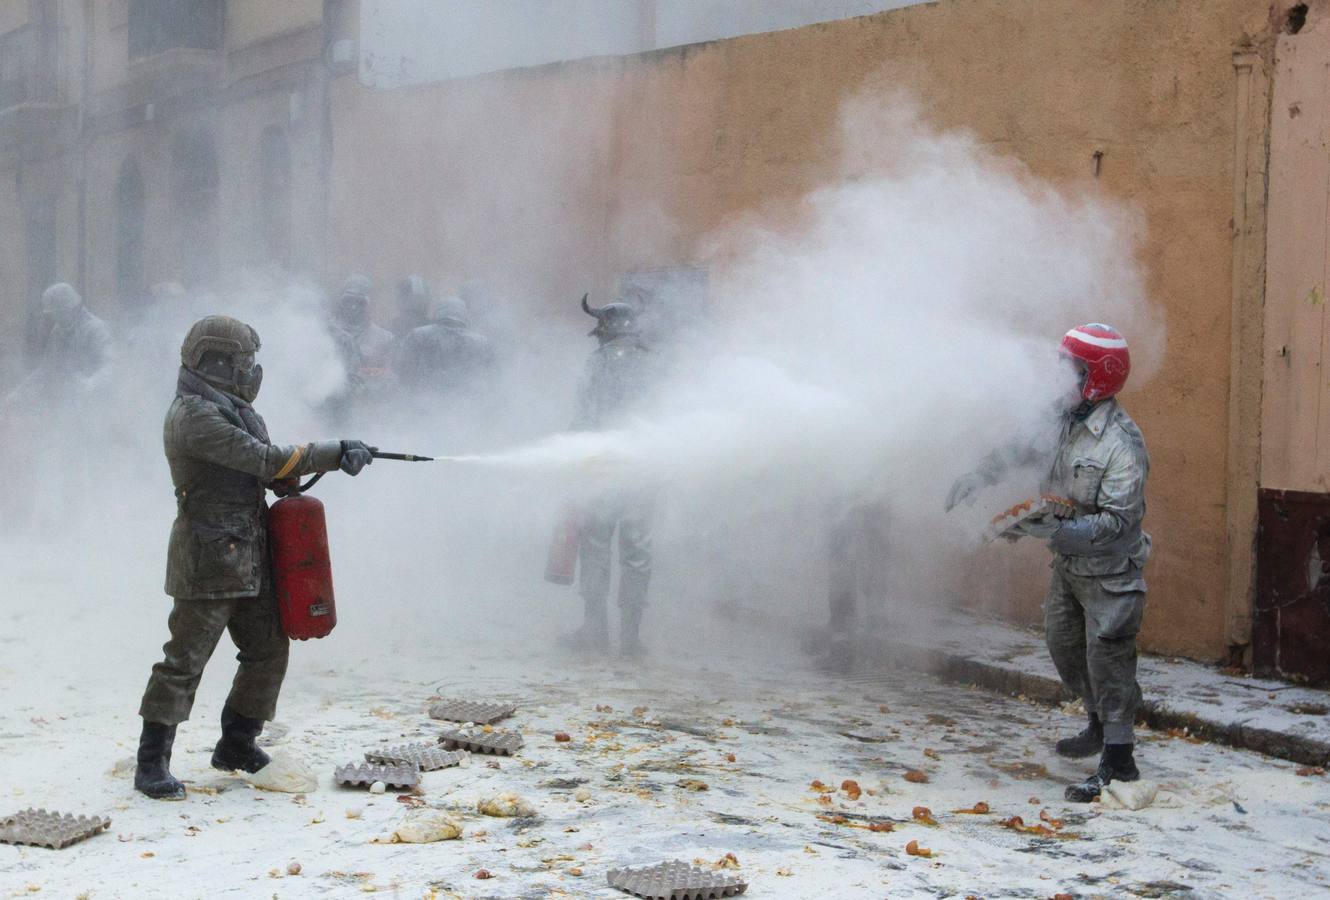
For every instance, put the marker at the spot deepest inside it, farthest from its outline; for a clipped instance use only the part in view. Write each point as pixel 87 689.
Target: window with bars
pixel 156 26
pixel 16 62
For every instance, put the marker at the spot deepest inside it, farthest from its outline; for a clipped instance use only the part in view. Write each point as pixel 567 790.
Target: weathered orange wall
pixel 709 132
pixel 1296 414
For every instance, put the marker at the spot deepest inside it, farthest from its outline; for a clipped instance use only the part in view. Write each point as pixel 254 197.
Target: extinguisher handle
pixel 309 484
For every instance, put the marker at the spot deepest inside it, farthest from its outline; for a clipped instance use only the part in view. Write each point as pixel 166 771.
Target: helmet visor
pixel 243 362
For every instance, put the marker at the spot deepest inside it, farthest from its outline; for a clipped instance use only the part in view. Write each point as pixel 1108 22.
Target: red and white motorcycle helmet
pixel 1103 349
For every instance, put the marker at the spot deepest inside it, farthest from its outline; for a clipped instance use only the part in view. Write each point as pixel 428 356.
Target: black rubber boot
pixel 1087 743
pixel 237 750
pixel 152 775
pixel 1116 763
pixel 593 635
pixel 630 644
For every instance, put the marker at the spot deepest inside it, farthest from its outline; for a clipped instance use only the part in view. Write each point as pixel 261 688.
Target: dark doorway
pixel 1291 623
pixel 130 206
pixel 274 231
pixel 42 258
pixel 194 184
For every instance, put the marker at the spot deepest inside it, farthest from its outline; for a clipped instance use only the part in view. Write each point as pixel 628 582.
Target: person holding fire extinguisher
pixel 218 563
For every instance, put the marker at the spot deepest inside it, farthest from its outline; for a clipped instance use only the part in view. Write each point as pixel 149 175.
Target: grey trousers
pixel 1090 624
pixel 196 627
pixel 857 565
pixel 632 518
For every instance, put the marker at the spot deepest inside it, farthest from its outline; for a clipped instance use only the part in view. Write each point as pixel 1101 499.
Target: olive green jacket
pixel 221 463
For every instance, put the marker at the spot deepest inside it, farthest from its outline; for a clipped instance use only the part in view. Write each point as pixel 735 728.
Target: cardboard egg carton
pixel 364 775
pixel 676 880
pixel 44 828
pixel 1046 505
pixel 426 757
pixel 481 713
pixel 499 743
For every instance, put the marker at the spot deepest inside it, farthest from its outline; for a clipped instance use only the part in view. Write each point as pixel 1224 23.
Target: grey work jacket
pixel 221 463
pixel 1101 465
pixel 618 376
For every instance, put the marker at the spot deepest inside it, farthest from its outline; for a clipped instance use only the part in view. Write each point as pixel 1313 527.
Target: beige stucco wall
pixel 1296 417
pixel 708 132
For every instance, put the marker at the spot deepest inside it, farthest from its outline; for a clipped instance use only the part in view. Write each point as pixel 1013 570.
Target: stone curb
pixel 1155 714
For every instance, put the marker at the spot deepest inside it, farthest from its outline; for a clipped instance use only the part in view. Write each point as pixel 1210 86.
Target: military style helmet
pixel 612 319
pixel 449 311
pixel 413 289
pixel 222 334
pixel 357 285
pixel 60 297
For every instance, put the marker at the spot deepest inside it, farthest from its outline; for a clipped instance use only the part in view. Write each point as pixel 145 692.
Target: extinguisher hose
pixel 309 484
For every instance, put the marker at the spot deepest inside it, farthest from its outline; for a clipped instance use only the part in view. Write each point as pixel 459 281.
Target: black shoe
pixel 237 750
pixel 152 775
pixel 1087 743
pixel 1116 763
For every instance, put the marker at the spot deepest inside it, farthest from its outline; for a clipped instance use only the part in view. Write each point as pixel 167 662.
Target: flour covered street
pixel 697 755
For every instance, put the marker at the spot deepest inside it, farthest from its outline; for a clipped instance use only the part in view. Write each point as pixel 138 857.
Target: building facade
pixel 159 140
pixel 294 135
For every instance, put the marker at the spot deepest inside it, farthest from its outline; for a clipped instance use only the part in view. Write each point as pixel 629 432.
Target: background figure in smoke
pixel 491 316
pixel 617 378
pixel 413 304
pixel 218 564
pixel 445 359
pixel 67 392
pixel 1097 596
pixel 366 349
pixel 77 353
pixel 856 574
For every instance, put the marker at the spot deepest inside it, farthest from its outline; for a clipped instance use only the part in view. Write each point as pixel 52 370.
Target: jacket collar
pixel 191 382
pixel 1100 416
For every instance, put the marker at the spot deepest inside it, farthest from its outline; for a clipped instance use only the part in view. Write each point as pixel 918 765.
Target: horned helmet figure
pixel 613 319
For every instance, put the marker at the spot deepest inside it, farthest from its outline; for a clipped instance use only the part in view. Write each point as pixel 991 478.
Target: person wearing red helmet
pixel 1097 597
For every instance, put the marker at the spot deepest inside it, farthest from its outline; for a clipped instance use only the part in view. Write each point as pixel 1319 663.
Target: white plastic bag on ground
pixel 424 826
pixel 505 806
pixel 285 774
pixel 1129 794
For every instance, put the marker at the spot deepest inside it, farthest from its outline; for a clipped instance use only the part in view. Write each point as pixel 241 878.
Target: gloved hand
pixel 285 487
pixel 1042 527
pixel 355 456
pixel 964 489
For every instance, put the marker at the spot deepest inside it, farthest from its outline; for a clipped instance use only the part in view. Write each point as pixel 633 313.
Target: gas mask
pixel 248 376
pixel 235 373
pixel 353 311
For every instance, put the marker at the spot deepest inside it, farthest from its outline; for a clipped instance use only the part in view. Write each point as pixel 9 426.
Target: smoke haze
pixel 868 348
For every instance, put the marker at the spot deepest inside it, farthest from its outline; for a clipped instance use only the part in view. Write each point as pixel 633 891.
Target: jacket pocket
pixel 224 558
pixel 1086 475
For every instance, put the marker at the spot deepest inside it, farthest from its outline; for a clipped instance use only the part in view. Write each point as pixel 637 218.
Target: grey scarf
pixel 191 383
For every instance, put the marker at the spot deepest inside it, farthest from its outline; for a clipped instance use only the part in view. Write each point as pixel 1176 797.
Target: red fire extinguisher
pixel 302 569
pixel 561 563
